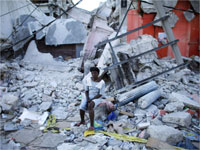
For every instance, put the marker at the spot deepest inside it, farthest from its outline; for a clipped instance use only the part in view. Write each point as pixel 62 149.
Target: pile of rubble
pixel 40 99
pixel 40 95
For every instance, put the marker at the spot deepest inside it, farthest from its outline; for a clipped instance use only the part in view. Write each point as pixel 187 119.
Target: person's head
pixel 95 72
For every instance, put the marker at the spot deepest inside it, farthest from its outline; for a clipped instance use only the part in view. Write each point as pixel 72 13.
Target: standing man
pixel 94 90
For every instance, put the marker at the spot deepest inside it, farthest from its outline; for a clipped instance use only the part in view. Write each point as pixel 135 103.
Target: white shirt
pixel 93 87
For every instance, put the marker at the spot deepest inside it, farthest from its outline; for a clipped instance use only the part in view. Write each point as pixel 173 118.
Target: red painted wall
pixel 186 32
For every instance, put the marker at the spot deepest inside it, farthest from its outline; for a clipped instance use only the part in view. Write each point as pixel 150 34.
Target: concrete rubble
pixel 172 19
pixel 189 15
pixel 149 7
pixel 40 95
pixel 165 133
pixel 57 90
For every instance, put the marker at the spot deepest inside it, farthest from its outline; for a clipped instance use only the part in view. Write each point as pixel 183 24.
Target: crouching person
pixel 94 90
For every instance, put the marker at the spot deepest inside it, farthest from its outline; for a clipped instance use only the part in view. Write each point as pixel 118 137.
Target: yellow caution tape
pixel 51 125
pixel 124 137
pixel 178 148
pixel 67 129
pixel 89 132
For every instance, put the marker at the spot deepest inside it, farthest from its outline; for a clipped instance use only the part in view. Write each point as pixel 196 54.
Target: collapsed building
pixel 155 100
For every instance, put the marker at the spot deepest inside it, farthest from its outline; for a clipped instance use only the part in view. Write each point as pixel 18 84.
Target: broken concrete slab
pixel 45 106
pixel 26 136
pixel 104 11
pixel 143 125
pixel 74 118
pixel 75 32
pixel 172 19
pixel 63 124
pixel 7 21
pixel 60 113
pixel 20 38
pixel 165 133
pixel 149 8
pixel 105 58
pixel 8 145
pixel 9 126
pixel 185 100
pixel 148 99
pixel 174 106
pixel 9 102
pixel 69 146
pixel 10 99
pixel 137 46
pixel 156 143
pixel 84 18
pixel 114 142
pixel 48 140
pixel 189 15
pixel 156 121
pixel 180 118
pixel 195 5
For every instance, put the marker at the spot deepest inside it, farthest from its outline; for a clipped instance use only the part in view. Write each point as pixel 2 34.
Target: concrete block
pixel 172 19
pixel 143 125
pixel 185 100
pixel 9 126
pixel 157 144
pixel 189 15
pixel 180 118
pixel 165 133
pixel 45 106
pixel 60 113
pixel 9 102
pixel 174 106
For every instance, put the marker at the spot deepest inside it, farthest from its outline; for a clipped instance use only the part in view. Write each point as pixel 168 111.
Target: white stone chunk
pixel 179 118
pixel 174 106
pixel 185 100
pixel 165 133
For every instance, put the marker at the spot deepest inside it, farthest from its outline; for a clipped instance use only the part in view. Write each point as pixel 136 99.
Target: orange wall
pixel 186 32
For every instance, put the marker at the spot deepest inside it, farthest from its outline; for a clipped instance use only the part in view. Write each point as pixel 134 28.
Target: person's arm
pixel 87 95
pixel 97 96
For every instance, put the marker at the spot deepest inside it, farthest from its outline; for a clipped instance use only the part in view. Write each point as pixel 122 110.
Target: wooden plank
pixel 126 113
